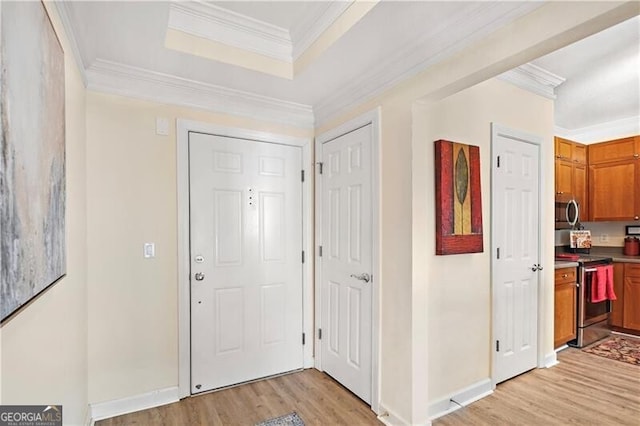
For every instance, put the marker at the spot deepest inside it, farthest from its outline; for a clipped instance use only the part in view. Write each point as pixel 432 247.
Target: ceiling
pixel 315 58
pixel 602 75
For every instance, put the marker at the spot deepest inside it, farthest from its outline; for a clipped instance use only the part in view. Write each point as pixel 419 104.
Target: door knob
pixel 199 276
pixel 362 277
pixel 536 267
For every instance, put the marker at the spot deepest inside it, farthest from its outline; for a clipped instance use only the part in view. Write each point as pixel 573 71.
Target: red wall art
pixel 458 198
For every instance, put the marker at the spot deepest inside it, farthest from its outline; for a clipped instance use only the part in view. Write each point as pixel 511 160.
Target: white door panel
pixel 347 252
pixel 246 240
pixel 516 236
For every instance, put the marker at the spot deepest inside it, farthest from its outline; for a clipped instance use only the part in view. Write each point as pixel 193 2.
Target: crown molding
pixel 62 8
pixel 602 132
pixel 308 30
pixel 534 79
pixel 115 78
pixel 224 26
pixel 394 70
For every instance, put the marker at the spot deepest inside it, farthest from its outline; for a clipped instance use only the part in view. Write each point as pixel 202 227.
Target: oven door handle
pixel 590 269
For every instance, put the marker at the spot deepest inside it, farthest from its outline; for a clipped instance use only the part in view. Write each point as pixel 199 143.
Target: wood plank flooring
pixel 316 397
pixel 584 389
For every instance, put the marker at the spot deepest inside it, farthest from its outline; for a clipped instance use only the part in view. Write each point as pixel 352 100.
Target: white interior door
pixel 346 262
pixel 246 266
pixel 516 231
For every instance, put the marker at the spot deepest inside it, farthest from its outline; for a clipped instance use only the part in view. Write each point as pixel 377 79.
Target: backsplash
pixel 603 234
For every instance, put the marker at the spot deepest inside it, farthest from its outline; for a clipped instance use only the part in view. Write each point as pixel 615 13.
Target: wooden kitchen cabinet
pixel 625 310
pixel 564 180
pixel 614 191
pixel 571 173
pixel 631 295
pixel 615 150
pixel 565 306
pixel 614 180
pixel 573 152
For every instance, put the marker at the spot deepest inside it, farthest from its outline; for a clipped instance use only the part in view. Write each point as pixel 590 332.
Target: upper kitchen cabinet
pixel 570 151
pixel 614 180
pixel 571 173
pixel 615 150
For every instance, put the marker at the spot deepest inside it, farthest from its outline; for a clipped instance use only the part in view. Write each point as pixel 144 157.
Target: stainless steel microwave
pixel 567 214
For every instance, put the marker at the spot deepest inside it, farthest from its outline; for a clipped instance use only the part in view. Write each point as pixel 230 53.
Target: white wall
pixel 132 199
pixel 44 347
pixel 459 286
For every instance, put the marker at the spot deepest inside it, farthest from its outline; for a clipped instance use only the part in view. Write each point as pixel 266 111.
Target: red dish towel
pixel 609 273
pixel 602 284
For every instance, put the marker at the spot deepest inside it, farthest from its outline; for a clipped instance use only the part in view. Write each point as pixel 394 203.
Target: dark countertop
pixel 615 253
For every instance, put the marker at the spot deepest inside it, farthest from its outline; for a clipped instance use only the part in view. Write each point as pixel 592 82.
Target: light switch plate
pixel 162 126
pixel 149 250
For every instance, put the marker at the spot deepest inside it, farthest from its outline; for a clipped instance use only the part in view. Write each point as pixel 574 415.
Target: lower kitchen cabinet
pixel 565 297
pixel 625 311
pixel 631 309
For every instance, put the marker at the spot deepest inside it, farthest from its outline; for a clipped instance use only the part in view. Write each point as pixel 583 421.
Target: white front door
pixel 346 262
pixel 516 232
pixel 246 266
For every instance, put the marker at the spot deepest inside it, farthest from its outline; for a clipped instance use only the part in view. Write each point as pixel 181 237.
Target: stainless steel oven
pixel 592 318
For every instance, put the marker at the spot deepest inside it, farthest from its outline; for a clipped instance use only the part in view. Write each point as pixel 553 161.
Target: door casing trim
pixel 496 130
pixel 372 117
pixel 183 127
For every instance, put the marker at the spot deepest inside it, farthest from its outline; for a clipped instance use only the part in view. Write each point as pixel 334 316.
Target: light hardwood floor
pixel 583 389
pixel 316 397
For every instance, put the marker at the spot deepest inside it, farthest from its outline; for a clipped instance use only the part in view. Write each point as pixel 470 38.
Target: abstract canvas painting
pixel 32 155
pixel 458 198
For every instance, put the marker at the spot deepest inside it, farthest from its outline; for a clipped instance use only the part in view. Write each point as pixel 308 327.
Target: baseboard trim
pixel 389 418
pixel 551 360
pixel 88 421
pixel 460 399
pixel 118 407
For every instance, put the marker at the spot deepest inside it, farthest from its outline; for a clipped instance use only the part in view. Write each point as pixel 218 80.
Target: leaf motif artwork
pixel 458 198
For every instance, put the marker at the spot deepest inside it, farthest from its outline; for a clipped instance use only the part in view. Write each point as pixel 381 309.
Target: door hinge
pixel 303 338
pixel 302 175
pixel 319 163
pixel 498 161
pixel 319 334
pixel 320 251
pixel 498 252
pixel 497 345
pixel 302 256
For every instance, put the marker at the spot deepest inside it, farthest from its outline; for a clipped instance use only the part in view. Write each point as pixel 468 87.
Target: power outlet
pixel 604 238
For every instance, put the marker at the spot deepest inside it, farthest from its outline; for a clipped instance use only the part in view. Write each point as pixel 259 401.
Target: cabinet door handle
pixel 636 218
pixel 565 275
pixel 636 155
